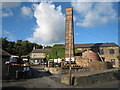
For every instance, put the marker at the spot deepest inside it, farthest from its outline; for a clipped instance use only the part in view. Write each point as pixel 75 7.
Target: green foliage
pixel 57 52
pixel 76 51
pixel 48 47
pixel 19 47
pixel 24 48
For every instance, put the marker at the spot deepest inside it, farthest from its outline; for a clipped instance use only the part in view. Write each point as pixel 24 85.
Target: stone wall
pixel 97 78
pixel 82 61
pixel 92 77
pixel 92 65
pixel 98 65
pixel 59 70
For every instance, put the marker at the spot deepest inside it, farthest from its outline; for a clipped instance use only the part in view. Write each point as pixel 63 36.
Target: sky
pixel 44 22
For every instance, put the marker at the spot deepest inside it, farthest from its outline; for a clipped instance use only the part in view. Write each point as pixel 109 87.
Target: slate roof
pixel 89 45
pixel 41 50
pixel 96 45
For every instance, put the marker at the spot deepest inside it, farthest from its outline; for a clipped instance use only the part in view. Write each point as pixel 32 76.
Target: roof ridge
pixel 98 43
pixel 110 44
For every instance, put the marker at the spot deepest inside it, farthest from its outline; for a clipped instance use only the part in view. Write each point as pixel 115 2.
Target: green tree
pixel 57 52
pixel 19 47
pixel 4 43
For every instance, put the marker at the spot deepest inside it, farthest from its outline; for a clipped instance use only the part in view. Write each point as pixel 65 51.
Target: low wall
pixel 99 65
pixel 92 77
pixel 59 70
pixel 83 62
pixel 92 65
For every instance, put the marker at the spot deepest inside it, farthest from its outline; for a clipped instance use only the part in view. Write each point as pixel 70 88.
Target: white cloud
pixel 51 24
pixel 10 4
pixel 92 14
pixel 7 12
pixel 26 11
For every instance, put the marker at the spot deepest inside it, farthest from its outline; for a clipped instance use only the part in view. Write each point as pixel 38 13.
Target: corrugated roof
pixel 41 50
pixel 94 45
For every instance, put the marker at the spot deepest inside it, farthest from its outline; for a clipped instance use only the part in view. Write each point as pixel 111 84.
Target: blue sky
pixel 44 23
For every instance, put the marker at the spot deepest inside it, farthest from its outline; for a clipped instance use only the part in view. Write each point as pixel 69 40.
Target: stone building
pixel 107 51
pixel 38 55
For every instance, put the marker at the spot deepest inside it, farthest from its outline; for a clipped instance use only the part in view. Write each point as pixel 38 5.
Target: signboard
pixel 68 59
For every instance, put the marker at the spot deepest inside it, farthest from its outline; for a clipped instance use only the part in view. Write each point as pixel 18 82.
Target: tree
pixel 57 52
pixel 19 47
pixel 4 43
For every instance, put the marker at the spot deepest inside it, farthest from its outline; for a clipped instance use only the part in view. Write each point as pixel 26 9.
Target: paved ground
pixel 43 79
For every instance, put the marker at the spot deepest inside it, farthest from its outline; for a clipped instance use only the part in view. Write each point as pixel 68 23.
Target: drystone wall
pixel 92 65
pixel 92 78
pixel 82 61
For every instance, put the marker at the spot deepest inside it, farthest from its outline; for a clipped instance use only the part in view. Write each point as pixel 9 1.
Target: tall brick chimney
pixel 69 35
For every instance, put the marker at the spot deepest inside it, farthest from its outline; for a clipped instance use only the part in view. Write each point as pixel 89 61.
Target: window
pixel 111 51
pixel 113 61
pixel 101 51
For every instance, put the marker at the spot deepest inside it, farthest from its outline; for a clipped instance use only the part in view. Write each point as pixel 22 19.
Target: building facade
pixel 107 51
pixel 38 55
